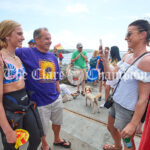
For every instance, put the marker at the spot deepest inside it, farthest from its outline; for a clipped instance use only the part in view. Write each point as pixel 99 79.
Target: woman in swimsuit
pixel 13 96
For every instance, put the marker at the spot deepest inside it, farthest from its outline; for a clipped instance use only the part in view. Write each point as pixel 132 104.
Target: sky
pixel 73 21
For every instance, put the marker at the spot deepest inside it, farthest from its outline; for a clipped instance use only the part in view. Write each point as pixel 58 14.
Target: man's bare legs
pixel 56 130
pixel 57 139
pixel 78 88
pixel 100 86
pixel 83 85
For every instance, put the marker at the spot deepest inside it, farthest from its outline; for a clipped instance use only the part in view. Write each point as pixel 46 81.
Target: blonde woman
pixel 93 63
pixel 13 96
pixel 95 53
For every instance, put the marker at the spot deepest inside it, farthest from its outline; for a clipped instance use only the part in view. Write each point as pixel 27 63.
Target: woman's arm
pixel 109 71
pixel 97 64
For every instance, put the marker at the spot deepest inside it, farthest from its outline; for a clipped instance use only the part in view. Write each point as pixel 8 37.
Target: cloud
pixel 77 8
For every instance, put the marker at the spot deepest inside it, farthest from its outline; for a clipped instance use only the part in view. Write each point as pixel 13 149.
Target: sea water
pixel 67 57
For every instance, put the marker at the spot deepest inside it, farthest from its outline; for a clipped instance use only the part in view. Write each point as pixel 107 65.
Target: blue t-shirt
pixel 42 73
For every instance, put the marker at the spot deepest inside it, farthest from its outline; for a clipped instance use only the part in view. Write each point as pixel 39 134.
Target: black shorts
pixel 102 77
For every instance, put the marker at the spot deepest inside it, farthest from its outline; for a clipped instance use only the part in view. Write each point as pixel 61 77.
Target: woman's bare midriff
pixel 14 86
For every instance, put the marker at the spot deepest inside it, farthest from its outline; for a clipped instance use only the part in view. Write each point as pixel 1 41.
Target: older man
pixel 79 59
pixel 43 75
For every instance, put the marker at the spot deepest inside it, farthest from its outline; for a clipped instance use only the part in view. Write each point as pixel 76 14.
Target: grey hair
pixel 37 32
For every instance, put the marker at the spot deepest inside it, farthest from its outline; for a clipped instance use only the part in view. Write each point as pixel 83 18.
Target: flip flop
pixel 63 144
pixel 82 92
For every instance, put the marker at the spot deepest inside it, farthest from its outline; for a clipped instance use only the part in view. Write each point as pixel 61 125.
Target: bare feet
pixel 111 147
pixel 45 147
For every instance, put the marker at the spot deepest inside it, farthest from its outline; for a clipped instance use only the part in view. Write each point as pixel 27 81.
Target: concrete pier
pixel 85 130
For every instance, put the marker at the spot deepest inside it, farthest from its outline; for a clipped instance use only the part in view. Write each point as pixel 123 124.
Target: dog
pixel 93 99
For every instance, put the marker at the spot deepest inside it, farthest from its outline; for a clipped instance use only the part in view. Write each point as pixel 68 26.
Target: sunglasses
pixel 130 33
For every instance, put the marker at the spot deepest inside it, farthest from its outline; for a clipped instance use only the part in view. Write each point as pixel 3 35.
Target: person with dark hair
pixel 114 54
pixel 17 112
pixel 43 81
pixel 132 87
pixel 114 59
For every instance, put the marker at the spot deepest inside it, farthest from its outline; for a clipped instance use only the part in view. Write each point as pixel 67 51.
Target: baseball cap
pixel 79 45
pixel 31 41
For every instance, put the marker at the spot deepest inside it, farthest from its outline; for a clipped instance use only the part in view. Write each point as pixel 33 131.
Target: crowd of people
pixel 30 86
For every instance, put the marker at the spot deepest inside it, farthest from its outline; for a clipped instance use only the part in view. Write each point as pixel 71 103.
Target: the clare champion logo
pixel 47 70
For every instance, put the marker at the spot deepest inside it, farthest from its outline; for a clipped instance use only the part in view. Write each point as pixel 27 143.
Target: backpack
pixel 93 62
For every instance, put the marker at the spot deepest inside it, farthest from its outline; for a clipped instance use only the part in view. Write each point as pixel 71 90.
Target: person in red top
pixel 145 139
pixel 60 58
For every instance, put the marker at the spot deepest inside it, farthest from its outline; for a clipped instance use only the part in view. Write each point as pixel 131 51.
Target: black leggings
pixel 29 124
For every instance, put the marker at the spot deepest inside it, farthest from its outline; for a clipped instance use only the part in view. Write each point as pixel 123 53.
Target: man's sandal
pixel 111 147
pixel 63 144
